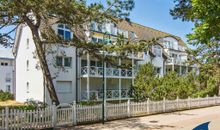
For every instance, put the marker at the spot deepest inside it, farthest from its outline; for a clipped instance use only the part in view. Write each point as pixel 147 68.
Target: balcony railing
pixel 176 61
pixel 110 94
pixel 110 72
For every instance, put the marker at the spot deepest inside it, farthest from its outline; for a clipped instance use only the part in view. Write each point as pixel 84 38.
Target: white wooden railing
pixel 110 72
pixel 110 94
pixel 66 114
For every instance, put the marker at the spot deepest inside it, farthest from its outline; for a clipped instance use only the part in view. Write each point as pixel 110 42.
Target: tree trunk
pixel 44 67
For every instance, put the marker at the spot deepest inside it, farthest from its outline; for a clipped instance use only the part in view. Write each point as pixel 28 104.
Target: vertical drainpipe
pixel 77 75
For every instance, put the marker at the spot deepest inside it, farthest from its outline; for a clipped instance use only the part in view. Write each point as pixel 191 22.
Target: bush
pixel 6 96
pixel 35 104
pixel 89 103
pixel 171 85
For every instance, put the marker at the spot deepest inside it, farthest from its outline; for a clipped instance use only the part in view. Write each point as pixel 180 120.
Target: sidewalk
pixel 184 120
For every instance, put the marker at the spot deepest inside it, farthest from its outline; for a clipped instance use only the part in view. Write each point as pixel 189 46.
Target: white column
pixel 79 78
pixel 180 71
pixel 119 80
pixel 88 71
pixel 173 67
pixel 132 68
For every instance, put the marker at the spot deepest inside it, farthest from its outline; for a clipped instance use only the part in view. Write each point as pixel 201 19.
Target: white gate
pixel 64 115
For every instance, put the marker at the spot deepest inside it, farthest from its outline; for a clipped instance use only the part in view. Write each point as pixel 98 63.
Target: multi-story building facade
pixel 80 77
pixel 6 70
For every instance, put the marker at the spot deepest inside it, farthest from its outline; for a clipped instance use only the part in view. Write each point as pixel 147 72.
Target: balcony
pixel 111 94
pixel 109 72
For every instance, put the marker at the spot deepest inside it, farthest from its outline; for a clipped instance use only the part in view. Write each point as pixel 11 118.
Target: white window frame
pixel 65 28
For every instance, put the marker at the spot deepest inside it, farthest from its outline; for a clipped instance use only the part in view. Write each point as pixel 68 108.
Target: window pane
pixel 67 61
pixel 8 88
pixel 99 63
pixel 60 26
pixel 92 63
pixel 94 39
pixel 67 27
pixel 83 63
pixel 59 61
pixel 61 33
pixel 67 35
pixel 100 40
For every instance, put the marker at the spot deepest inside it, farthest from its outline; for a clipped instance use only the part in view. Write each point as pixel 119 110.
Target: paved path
pixel 184 120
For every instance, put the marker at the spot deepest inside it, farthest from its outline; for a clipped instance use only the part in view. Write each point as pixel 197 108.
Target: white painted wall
pixel 6 72
pixel 33 76
pixel 63 74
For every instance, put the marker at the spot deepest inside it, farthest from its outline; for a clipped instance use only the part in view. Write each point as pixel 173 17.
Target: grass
pixel 10 103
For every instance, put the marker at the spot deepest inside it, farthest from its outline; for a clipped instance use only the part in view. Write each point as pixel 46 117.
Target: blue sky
pixel 155 14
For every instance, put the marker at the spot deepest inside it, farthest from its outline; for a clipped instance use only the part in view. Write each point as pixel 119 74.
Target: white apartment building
pixel 6 70
pixel 81 77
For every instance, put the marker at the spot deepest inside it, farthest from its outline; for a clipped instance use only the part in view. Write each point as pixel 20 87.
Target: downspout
pixel 76 93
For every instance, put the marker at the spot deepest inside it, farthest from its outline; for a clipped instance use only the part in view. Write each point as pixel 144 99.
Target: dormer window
pixel 157 50
pixel 64 32
pixel 133 35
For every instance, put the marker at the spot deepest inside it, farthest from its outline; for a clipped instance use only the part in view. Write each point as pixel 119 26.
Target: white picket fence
pixel 66 114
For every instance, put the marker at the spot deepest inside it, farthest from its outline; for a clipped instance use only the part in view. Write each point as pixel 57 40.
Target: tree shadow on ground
pixel 132 123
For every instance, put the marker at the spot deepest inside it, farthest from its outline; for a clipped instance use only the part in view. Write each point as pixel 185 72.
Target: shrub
pixel 6 96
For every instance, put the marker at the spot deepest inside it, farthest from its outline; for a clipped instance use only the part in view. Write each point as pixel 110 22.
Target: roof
pixel 146 33
pixel 6 53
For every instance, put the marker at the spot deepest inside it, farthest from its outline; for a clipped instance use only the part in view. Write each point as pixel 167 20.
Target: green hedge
pixel 6 96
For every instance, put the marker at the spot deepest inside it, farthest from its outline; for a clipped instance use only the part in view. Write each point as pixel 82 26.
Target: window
pixel 59 61
pixel 8 88
pixel 84 63
pixel 133 35
pixel 67 61
pixel 94 39
pixel 27 87
pixel 64 87
pixel 2 64
pixel 8 77
pixel 63 61
pixel 99 63
pixel 27 65
pixel 99 27
pixel 92 63
pixel 6 64
pixel 64 32
pixel 27 43
pixel 157 51
pixel 157 70
pixel 93 26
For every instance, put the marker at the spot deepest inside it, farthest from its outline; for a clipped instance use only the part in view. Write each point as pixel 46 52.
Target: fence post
pixel 148 104
pixel 207 98
pixel 54 115
pixel 6 116
pixel 189 102
pixel 164 104
pixel 177 101
pixel 74 113
pixel 105 110
pixel 215 103
pixel 128 108
pixel 198 101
